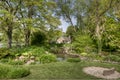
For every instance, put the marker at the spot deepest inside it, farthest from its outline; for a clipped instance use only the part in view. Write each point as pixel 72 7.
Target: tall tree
pixel 37 14
pixel 97 10
pixel 65 9
pixel 8 17
pixel 74 12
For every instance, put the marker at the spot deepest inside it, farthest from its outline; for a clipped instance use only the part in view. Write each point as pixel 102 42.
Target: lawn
pixel 64 70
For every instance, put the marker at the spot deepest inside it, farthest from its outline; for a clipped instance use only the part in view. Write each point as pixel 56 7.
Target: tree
pixel 54 34
pixel 65 9
pixel 26 16
pixel 37 14
pixel 8 17
pixel 97 10
pixel 111 34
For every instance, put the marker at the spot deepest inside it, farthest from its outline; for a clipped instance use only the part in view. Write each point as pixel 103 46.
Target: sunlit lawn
pixel 64 70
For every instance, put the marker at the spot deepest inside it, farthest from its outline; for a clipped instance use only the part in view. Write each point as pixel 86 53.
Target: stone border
pixel 98 72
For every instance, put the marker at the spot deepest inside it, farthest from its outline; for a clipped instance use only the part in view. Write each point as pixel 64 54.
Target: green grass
pixel 64 70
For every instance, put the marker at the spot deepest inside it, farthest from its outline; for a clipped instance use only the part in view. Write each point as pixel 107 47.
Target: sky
pixel 64 24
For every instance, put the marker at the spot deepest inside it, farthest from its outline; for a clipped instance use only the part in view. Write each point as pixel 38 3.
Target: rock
pixel 30 61
pixel 21 58
pixel 98 72
pixel 108 72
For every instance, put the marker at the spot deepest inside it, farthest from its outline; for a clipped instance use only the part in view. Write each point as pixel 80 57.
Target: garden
pixel 60 39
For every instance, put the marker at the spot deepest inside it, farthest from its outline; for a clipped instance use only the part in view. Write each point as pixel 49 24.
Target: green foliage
pixel 53 34
pixel 70 31
pixel 83 54
pixel 111 34
pixel 37 15
pixel 55 48
pixel 18 62
pixel 73 60
pixel 93 56
pixel 83 43
pixel 48 58
pixel 112 58
pixel 18 73
pixel 5 53
pixel 4 60
pixel 8 72
pixel 38 38
pixel 31 50
pixel 35 51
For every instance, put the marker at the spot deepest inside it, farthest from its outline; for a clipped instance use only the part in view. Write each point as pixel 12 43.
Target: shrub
pixel 36 51
pixel 4 60
pixel 38 38
pixel 112 58
pixel 4 53
pixel 18 73
pixel 8 72
pixel 83 54
pixel 48 58
pixel 83 43
pixel 94 56
pixel 4 71
pixel 73 60
pixel 18 62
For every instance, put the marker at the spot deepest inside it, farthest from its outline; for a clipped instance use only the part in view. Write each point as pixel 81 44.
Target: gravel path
pixel 98 72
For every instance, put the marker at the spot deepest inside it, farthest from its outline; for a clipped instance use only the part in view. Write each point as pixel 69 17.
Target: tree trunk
pixel 97 31
pixel 98 35
pixel 27 37
pixel 71 22
pixel 9 35
pixel 28 31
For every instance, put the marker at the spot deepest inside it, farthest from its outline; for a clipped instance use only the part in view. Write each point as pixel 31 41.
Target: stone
pixel 30 61
pixel 108 72
pixel 21 58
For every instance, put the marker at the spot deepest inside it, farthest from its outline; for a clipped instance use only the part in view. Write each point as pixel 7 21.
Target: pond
pixel 61 57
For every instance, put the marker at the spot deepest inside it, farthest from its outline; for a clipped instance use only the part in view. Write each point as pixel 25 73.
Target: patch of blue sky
pixel 64 25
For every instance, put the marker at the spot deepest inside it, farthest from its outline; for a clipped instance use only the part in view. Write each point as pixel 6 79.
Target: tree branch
pixel 110 4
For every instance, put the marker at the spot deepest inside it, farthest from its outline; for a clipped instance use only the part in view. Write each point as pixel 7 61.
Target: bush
pixel 18 73
pixel 73 60
pixel 94 56
pixel 5 53
pixel 48 58
pixel 4 60
pixel 83 54
pixel 18 62
pixel 8 72
pixel 34 51
pixel 4 71
pixel 38 38
pixel 38 51
pixel 112 58
pixel 83 43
